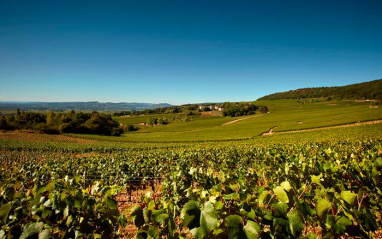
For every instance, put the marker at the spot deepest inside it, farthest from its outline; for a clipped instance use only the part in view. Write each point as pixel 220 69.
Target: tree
pixel 264 109
pixel 163 121
pixel 117 131
pixel 50 118
pixel 100 124
pixel 72 122
pixel 66 128
pixel 131 127
pixel 152 121
pixel 3 122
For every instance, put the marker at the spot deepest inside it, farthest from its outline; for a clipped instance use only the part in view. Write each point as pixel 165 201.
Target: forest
pixel 362 91
pixel 56 123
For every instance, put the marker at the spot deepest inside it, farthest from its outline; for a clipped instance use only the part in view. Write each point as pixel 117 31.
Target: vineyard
pixel 312 189
pixel 322 183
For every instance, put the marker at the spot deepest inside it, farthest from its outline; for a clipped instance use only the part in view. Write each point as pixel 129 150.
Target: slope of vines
pixel 314 189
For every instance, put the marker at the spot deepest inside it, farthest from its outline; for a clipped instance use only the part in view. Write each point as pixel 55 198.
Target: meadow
pixel 202 178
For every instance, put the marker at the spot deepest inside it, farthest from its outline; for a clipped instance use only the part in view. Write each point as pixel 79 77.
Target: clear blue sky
pixel 184 51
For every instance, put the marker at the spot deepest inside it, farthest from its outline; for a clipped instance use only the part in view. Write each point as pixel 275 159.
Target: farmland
pixel 216 180
pixel 285 114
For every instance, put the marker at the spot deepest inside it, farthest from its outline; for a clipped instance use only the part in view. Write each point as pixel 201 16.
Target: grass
pixel 138 119
pixel 167 142
pixel 287 115
pixel 108 143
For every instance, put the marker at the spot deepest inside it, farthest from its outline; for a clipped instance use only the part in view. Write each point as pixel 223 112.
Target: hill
pixel 92 105
pixel 368 90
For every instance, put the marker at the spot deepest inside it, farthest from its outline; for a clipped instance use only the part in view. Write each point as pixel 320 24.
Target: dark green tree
pixel 152 121
pixel 264 109
pixel 3 122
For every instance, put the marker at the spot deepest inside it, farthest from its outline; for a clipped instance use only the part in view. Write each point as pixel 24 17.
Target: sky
pixel 184 51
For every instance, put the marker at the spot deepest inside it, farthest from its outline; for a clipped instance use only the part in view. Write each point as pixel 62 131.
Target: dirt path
pixel 234 121
pixel 270 132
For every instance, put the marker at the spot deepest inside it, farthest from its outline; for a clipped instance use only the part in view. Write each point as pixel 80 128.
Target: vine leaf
pixel 191 214
pixel 378 163
pixel 4 211
pixel 44 234
pixel 304 208
pixel 322 206
pixel 316 179
pixel 281 194
pixel 137 216
pixel 151 205
pixel 281 209
pixel 252 229
pixel 111 203
pixel 234 227
pixel 200 222
pixel 219 205
pixel 286 186
pixel 296 223
pixel 209 216
pixel 208 221
pixel 32 229
pixel 338 223
pixel 348 196
pixel 160 216
pixel 262 197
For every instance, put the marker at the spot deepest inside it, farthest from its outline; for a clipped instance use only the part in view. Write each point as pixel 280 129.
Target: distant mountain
pixel 368 90
pixel 92 105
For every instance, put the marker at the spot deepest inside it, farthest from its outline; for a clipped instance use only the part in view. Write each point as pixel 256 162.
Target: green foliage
pixel 162 110
pixel 152 121
pixel 84 123
pixel 156 121
pixel 122 113
pixel 163 121
pixel 152 221
pixel 322 207
pixel 263 109
pixel 361 91
pixel 233 189
pixel 287 115
pixel 238 109
pixel 252 229
pixel 199 221
pixel 131 127
pixel 59 209
pixel 3 122
pixel 281 194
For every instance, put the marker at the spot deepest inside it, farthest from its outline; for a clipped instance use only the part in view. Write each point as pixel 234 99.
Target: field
pixel 287 115
pixel 318 175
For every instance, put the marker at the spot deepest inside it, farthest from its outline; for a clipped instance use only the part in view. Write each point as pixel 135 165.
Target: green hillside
pixel 287 115
pixel 368 90
pixel 305 169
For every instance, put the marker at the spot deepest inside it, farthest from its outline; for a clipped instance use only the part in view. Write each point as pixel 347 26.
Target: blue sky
pixel 184 51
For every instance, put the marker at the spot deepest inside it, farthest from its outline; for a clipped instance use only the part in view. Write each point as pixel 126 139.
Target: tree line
pixel 228 109
pixel 163 110
pixel 238 109
pixel 56 123
pixel 362 91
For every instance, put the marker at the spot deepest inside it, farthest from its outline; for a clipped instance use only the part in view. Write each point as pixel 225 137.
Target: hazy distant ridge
pixel 368 90
pixel 92 105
